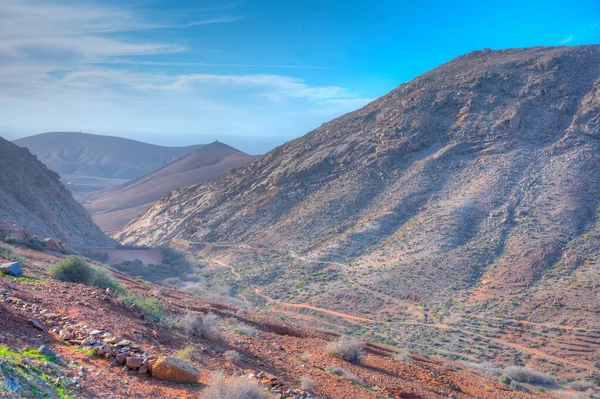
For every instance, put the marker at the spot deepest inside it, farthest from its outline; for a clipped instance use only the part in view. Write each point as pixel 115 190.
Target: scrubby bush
pixel 306 357
pixel 504 380
pixel 486 367
pixel 306 384
pixel 347 348
pixel 9 240
pixel 36 245
pixel 187 353
pixel 10 254
pixel 340 372
pixel 245 329
pixel 524 374
pixel 232 356
pixel 232 389
pixel 73 269
pixel 192 323
pixel 403 356
pixel 581 385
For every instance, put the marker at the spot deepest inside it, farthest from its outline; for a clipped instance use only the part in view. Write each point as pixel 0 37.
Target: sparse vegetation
pixel 245 329
pixel 232 389
pixel 232 356
pixel 346 348
pixel 340 372
pixel 150 307
pixel 10 254
pixel 582 385
pixel 524 374
pixel 74 269
pixel 486 367
pixel 98 256
pixel 9 240
pixel 36 245
pixel 504 380
pixel 187 353
pixel 306 357
pixel 192 323
pixel 403 356
pixel 306 384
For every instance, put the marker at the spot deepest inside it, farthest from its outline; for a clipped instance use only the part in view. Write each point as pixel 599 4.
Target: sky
pixel 250 73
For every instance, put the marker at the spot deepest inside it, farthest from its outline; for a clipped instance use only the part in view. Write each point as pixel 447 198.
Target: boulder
pixel 13 269
pixel 133 362
pixel 172 369
pixel 52 243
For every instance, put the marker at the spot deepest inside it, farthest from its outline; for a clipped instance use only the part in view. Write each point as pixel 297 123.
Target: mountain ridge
pixel 33 197
pixel 114 207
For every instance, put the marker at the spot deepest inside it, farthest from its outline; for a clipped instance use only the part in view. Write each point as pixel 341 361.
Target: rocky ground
pixel 73 341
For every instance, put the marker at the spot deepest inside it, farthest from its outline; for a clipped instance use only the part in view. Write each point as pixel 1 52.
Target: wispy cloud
pixel 567 39
pixel 85 65
pixel 221 20
pixel 582 32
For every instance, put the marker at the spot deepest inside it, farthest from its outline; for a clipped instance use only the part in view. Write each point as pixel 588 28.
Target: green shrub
pixel 73 269
pixel 9 240
pixel 504 380
pixel 35 245
pixel 150 307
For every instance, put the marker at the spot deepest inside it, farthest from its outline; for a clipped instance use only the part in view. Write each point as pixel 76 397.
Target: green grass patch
pixel 152 308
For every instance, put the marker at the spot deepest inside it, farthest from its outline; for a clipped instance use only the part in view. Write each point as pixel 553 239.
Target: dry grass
pixel 346 348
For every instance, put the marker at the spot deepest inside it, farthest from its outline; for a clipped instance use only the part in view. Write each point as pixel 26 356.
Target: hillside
pixel 113 208
pixel 90 162
pixel 33 197
pixel 465 199
pixel 67 340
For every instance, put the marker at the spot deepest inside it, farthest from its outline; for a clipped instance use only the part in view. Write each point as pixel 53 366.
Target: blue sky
pixel 253 74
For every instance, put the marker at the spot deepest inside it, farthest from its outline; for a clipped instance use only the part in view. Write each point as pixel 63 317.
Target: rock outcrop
pixel 172 369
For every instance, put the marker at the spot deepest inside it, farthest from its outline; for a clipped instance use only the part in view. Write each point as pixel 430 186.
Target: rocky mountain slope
pixel 33 197
pixel 90 162
pixel 113 208
pixel 474 185
pixel 67 340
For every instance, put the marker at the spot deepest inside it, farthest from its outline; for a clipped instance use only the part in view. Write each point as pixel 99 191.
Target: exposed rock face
pixel 484 169
pixel 31 196
pixel 172 369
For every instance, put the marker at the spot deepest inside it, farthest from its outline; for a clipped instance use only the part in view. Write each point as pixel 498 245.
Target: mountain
pixel 468 195
pixel 89 162
pixel 113 208
pixel 33 197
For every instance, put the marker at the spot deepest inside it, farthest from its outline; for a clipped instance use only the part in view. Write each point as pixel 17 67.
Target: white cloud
pixel 567 39
pixel 75 65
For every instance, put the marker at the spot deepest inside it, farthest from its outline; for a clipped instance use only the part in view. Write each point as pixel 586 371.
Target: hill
pixel 61 339
pixel 113 208
pixel 89 162
pixel 33 197
pixel 465 200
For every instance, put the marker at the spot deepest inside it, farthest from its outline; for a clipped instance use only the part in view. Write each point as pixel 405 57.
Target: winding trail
pixel 315 308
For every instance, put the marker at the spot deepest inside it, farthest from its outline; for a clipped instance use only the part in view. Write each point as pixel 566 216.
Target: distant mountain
pixel 86 154
pixel 113 208
pixel 33 197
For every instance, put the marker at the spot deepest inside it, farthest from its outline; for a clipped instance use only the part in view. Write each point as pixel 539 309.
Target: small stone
pixel 134 362
pixel 121 358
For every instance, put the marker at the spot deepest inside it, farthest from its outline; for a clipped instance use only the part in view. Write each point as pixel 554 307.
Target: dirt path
pixel 315 308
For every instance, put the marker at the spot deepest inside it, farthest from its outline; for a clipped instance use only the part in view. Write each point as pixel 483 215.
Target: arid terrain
pixel 38 310
pixel 456 215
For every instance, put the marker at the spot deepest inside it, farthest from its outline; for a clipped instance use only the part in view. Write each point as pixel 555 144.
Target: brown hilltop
pixel 113 208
